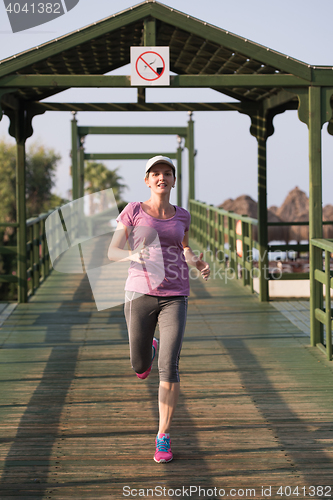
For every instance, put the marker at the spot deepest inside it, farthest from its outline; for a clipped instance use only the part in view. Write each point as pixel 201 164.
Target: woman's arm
pixel 194 260
pixel 119 241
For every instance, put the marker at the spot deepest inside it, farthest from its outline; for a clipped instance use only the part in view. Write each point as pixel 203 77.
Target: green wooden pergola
pixel 78 155
pixel 263 81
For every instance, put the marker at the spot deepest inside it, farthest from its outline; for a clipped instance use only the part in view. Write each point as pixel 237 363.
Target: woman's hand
pixel 203 267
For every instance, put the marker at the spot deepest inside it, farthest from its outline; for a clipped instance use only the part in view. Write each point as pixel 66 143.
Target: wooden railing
pixel 216 231
pixel 37 256
pixel 318 313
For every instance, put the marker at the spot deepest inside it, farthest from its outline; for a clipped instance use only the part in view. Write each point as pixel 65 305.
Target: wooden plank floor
pixel 297 311
pixel 255 408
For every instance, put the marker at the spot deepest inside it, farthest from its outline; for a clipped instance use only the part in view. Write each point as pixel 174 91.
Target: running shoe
pixel 147 372
pixel 163 453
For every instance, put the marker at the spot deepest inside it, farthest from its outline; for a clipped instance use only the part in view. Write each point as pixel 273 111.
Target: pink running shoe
pixel 147 372
pixel 163 453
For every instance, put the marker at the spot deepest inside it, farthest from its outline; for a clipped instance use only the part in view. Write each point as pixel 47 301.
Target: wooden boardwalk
pixel 255 409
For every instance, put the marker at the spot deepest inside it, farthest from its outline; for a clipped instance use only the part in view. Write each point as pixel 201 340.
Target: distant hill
pixel 295 208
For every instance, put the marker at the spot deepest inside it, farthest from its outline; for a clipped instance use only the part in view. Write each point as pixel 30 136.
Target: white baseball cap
pixel 160 159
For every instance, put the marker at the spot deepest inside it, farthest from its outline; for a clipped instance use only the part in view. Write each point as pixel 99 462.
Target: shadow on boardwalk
pixel 255 408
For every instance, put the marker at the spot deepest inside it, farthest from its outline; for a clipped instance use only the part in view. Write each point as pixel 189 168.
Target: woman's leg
pixel 167 402
pixel 141 318
pixel 171 320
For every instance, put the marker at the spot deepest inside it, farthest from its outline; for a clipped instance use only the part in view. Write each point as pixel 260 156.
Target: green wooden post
pixel 19 122
pixel 259 130
pixel 262 221
pixel 149 32
pixel 222 242
pixel 231 241
pixel 81 172
pixel 244 250
pixel 234 248
pixel 31 259
pixel 149 40
pixel 36 267
pixel 44 254
pixel 220 237
pixel 328 313
pixel 229 238
pixel 216 235
pixel 191 153
pixel 315 210
pixel 179 176
pixel 75 147
pixel 211 231
pixel 251 256
pixel 201 224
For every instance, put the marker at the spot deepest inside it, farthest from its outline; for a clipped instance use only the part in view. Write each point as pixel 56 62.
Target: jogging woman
pixel 166 303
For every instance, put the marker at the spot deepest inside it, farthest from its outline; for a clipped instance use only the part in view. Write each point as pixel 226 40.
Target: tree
pixel 41 164
pixel 98 178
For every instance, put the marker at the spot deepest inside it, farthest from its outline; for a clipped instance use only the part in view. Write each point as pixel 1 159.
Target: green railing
pixel 319 316
pixel 38 259
pixel 295 247
pixel 216 231
pixel 8 250
pixel 37 256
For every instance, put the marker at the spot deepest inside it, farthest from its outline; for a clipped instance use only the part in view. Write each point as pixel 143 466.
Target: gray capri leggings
pixel 142 313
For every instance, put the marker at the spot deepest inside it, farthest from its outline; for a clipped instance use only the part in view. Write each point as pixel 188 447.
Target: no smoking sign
pixel 150 66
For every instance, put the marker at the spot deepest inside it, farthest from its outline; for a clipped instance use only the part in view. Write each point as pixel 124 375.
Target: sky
pixel 226 160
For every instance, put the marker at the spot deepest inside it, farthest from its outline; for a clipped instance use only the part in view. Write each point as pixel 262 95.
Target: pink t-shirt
pixel 171 234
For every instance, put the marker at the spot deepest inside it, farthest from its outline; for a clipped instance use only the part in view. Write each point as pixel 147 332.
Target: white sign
pixel 150 66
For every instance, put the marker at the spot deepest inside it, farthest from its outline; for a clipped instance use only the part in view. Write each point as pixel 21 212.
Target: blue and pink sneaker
pixel 147 372
pixel 163 453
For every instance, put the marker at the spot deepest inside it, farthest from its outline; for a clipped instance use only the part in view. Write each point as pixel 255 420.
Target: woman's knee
pixel 140 365
pixel 169 373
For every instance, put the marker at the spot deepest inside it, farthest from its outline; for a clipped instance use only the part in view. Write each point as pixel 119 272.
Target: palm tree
pixel 99 178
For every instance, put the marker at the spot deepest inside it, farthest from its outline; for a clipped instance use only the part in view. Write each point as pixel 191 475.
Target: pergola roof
pixel 196 48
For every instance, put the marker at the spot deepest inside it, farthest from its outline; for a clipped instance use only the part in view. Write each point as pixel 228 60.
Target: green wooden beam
pixel 6 100
pixel 322 76
pixel 126 156
pixel 284 98
pixel 245 107
pixel 182 131
pixel 178 81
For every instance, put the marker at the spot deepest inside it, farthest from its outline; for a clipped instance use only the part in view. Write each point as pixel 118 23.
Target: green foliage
pixel 7 182
pixel 41 164
pixel 99 177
